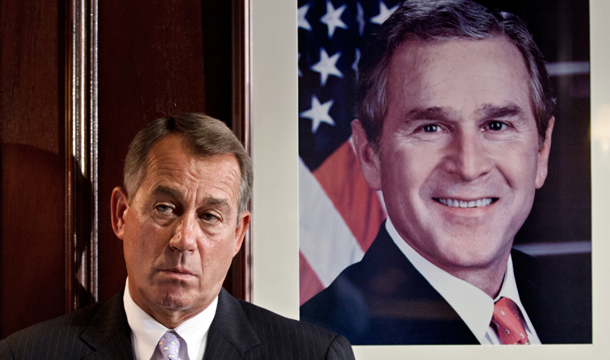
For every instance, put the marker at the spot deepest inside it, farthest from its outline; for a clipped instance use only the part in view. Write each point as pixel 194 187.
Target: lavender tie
pixel 169 345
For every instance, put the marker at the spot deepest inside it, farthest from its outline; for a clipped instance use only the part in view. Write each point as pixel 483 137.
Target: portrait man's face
pixel 181 229
pixel 459 157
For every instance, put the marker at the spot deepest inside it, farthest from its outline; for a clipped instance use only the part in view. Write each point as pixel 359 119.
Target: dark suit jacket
pixel 383 299
pixel 239 330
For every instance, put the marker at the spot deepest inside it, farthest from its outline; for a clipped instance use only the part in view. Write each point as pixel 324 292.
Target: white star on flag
pixel 303 23
pixel 332 18
pixel 384 13
pixel 355 64
pixel 327 66
pixel 318 113
pixel 360 19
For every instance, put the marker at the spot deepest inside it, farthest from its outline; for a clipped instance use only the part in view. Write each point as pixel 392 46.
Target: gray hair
pixel 204 135
pixel 441 20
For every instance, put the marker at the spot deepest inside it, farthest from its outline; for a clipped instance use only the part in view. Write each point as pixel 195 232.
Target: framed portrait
pixel 275 149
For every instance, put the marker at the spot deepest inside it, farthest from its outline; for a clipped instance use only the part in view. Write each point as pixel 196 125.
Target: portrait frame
pixel 275 259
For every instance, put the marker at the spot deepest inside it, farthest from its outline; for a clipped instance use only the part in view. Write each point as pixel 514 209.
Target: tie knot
pixel 508 322
pixel 169 345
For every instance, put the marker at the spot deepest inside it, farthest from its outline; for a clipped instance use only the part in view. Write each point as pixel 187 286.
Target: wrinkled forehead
pixel 172 161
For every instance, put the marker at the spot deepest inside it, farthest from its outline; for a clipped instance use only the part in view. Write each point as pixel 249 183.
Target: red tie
pixel 508 323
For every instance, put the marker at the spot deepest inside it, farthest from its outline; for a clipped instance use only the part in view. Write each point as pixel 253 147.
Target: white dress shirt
pixel 473 306
pixel 146 331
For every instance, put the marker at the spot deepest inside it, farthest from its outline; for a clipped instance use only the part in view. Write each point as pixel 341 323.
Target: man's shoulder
pixel 62 325
pixel 251 327
pixel 384 300
pixel 58 337
pixel 349 292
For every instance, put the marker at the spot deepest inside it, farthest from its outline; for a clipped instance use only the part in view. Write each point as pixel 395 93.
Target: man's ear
pixel 543 155
pixel 367 157
pixel 119 203
pixel 240 231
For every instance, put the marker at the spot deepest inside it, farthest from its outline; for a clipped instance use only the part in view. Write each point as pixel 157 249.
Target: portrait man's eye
pixel 496 126
pixel 431 128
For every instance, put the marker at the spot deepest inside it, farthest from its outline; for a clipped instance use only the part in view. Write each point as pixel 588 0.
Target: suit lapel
pixel 231 335
pixel 539 300
pixel 108 334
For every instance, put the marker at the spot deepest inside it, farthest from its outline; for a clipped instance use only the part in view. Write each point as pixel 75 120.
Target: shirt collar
pixel 473 306
pixel 146 331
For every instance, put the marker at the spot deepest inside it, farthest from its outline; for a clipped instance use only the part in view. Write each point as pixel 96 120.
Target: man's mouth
pixel 178 271
pixel 466 203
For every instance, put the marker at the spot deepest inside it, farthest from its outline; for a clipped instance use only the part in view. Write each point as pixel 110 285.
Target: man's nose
pixel 186 234
pixel 467 156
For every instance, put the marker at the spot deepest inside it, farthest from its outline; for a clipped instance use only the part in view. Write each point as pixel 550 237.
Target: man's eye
pixel 431 128
pixel 496 126
pixel 209 217
pixel 164 209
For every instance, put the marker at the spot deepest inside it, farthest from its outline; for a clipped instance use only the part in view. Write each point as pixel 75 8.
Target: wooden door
pixel 78 79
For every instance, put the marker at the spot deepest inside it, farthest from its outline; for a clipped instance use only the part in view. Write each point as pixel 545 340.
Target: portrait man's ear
pixel 543 156
pixel 367 157
pixel 119 202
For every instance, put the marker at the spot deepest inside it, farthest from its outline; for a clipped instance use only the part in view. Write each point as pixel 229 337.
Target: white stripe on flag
pixel 324 238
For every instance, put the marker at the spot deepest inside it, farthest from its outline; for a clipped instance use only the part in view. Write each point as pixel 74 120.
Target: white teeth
pixel 465 204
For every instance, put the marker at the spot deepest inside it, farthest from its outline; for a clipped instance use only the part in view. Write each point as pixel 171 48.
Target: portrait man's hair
pixel 437 21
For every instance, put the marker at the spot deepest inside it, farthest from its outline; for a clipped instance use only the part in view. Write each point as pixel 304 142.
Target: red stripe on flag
pixel 359 206
pixel 309 282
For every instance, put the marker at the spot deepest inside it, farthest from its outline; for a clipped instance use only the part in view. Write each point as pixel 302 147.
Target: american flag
pixel 339 215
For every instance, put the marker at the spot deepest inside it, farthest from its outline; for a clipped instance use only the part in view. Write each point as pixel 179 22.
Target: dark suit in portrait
pixel 240 330
pixel 383 299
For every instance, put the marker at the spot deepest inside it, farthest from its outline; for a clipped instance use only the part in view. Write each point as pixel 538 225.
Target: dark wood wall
pixel 31 162
pixel 155 58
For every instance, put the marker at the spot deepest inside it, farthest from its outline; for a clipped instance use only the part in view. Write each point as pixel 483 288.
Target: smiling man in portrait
pixel 455 120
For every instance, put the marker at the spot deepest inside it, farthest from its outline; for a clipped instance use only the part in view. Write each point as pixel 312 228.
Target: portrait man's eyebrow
pixel 447 265
pixel 487 111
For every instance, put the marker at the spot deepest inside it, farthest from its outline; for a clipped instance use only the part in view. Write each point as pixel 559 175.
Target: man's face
pixel 459 157
pixel 181 229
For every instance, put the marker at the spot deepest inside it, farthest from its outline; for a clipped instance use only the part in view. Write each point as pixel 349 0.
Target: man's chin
pixel 470 251
pixel 472 259
pixel 175 300
pixel 172 295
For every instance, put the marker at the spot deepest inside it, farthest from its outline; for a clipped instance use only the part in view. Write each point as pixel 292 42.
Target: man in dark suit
pixel 182 217
pixel 455 123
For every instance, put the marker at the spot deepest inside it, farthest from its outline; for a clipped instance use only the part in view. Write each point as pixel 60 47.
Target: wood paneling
pixel 32 74
pixel 31 162
pixel 155 58
pixel 32 248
